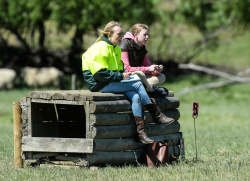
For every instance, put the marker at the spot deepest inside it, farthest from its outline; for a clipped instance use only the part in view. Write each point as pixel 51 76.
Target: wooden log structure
pixel 90 128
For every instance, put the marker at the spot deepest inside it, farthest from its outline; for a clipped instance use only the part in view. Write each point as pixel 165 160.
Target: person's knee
pixel 161 78
pixel 139 84
pixel 136 98
pixel 139 73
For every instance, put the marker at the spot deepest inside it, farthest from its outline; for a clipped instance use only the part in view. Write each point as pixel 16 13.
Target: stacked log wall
pixel 109 127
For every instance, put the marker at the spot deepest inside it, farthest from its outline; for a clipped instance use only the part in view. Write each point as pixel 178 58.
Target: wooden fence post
pixel 17 135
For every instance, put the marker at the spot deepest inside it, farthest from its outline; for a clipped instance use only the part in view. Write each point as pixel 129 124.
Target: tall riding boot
pixel 158 116
pixel 139 121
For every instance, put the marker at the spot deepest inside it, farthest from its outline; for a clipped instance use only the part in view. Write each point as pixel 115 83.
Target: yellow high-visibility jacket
pixel 102 64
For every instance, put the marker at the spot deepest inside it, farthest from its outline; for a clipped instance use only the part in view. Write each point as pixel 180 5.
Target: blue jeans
pixel 135 91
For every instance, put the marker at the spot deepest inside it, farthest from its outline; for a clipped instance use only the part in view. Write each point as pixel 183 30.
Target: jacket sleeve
pixel 146 63
pixel 127 67
pixel 108 76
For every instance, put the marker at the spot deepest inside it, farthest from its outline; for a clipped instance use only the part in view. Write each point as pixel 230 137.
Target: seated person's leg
pixel 156 79
pixel 143 78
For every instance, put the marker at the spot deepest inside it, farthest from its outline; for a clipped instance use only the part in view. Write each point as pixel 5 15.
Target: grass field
pixel 222 128
pixel 223 142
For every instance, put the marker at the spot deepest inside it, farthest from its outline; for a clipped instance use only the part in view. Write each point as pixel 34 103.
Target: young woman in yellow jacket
pixel 103 71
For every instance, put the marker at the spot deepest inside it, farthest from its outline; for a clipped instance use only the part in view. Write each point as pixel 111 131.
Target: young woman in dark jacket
pixel 134 57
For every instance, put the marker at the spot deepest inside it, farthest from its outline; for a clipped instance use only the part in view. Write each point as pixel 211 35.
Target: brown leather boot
pixel 158 116
pixel 139 121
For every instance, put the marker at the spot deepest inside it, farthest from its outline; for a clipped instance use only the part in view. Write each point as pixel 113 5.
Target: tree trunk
pixel 42 34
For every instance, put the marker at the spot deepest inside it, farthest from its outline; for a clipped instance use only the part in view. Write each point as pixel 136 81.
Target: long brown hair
pixel 109 28
pixel 136 29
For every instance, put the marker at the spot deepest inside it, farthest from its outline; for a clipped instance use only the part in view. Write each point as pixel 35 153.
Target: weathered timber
pixel 65 145
pixel 61 165
pixel 28 100
pixel 75 95
pixel 167 102
pixel 63 162
pixel 125 157
pixel 43 155
pixel 97 128
pixel 124 144
pixel 127 118
pixel 67 158
pixel 24 107
pixel 30 161
pixel 125 105
pixel 77 160
pixel 24 116
pixel 17 134
pixel 79 95
pixel 128 131
pixel 51 101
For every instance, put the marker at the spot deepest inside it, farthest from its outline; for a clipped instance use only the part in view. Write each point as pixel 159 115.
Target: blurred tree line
pixel 26 20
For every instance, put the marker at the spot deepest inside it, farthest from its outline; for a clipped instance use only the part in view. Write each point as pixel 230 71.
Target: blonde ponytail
pixel 108 29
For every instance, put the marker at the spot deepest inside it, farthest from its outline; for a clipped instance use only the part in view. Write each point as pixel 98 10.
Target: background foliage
pixel 180 30
pixel 55 33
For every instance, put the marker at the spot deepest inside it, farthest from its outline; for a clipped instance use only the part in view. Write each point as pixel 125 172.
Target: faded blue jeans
pixel 135 91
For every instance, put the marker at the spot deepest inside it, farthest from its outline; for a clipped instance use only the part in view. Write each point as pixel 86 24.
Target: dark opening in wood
pixel 58 120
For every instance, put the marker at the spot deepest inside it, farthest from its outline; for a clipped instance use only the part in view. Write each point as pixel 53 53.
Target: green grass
pixel 234 53
pixel 223 142
pixel 6 105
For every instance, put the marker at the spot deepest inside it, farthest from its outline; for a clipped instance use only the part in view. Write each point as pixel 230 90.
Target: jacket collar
pixel 106 40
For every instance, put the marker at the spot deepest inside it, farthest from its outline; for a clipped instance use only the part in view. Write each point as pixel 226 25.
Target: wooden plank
pixel 24 116
pixel 75 95
pixel 79 95
pixel 87 120
pixel 30 161
pixel 61 165
pixel 66 145
pixel 97 96
pixel 67 158
pixel 128 131
pixel 77 160
pixel 52 101
pixel 29 118
pixel 59 96
pixel 121 158
pixel 102 119
pixel 125 105
pixel 125 144
pixel 43 155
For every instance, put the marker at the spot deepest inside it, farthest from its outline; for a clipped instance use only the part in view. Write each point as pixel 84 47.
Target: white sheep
pixel 7 77
pixel 42 77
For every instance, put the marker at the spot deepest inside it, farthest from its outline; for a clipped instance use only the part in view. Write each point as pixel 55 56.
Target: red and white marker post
pixel 195 115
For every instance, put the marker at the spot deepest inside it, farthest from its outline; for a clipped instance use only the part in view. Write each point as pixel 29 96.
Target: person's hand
pixel 126 75
pixel 159 68
pixel 152 68
pixel 154 73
